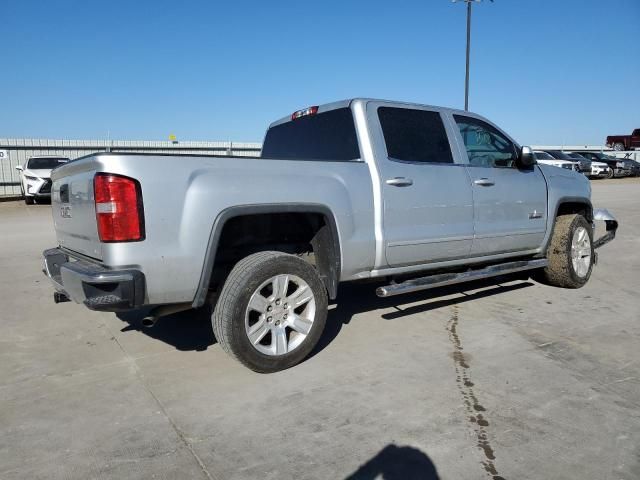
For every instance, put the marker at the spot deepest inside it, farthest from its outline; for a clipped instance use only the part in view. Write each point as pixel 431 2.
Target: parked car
pixel 635 167
pixel 347 191
pixel 619 166
pixel 545 159
pixel 624 142
pixel 598 169
pixel 35 177
pixel 584 165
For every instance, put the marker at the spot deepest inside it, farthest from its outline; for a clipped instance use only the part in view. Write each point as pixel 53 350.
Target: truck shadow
pixel 191 330
pixel 358 298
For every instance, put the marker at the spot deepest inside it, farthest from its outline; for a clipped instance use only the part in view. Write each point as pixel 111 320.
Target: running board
pixel 443 279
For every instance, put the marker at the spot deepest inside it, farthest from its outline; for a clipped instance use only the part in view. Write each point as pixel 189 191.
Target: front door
pixel 427 199
pixel 510 204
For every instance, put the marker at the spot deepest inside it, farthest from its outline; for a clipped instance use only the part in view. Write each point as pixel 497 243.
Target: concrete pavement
pixel 506 380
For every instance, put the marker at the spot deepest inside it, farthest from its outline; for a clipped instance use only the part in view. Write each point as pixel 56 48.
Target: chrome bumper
pixel 611 225
pixel 92 284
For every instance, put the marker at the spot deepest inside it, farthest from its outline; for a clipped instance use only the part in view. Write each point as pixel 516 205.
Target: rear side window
pixel 326 136
pixel 414 135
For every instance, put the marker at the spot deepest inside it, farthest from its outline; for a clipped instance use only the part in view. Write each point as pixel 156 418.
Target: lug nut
pixel 278 302
pixel 286 305
pixel 269 308
pixel 277 322
pixel 269 319
pixel 285 316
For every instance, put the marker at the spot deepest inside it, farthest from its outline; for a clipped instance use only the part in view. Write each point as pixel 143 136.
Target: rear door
pixel 510 204
pixel 427 201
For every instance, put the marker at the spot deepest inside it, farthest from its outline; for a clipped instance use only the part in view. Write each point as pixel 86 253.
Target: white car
pixel 35 177
pixel 600 169
pixel 545 159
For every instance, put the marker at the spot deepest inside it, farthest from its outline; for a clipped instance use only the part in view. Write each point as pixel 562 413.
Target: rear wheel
pixel 570 253
pixel 29 200
pixel 271 311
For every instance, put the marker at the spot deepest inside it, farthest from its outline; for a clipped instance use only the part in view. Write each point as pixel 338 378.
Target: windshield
pixel 559 155
pixel 577 156
pixel 543 156
pixel 46 163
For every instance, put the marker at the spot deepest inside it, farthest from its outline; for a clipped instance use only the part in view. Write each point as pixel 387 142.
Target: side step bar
pixel 443 279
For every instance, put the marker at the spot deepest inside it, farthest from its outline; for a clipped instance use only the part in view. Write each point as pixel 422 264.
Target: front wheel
pixel 611 173
pixel 570 253
pixel 619 147
pixel 271 311
pixel 29 200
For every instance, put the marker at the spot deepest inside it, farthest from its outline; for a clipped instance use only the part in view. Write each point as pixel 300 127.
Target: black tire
pixel 560 272
pixel 229 314
pixel 611 173
pixel 29 200
pixel 619 147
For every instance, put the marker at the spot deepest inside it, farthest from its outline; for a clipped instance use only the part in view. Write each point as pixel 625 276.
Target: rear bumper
pixel 92 284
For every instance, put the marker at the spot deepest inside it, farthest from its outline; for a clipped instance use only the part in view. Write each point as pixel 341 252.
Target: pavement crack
pixel 175 427
pixel 469 399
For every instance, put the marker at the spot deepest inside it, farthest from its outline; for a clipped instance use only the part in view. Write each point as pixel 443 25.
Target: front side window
pixel 414 135
pixel 486 146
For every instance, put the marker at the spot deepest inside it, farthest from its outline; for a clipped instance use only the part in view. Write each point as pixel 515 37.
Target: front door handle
pixel 484 182
pixel 399 182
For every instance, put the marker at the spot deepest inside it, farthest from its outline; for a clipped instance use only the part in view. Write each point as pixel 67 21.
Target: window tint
pixel 325 136
pixel 414 135
pixel 543 156
pixel 486 146
pixel 45 163
pixel 558 154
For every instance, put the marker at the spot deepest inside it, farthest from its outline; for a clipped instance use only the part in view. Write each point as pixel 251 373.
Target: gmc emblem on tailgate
pixel 65 212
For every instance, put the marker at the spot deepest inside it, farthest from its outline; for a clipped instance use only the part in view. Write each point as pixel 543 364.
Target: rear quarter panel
pixel 184 195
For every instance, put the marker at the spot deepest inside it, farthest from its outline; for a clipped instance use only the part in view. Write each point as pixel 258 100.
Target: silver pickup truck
pixel 417 196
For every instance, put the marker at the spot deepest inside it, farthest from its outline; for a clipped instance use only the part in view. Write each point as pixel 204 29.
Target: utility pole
pixel 466 76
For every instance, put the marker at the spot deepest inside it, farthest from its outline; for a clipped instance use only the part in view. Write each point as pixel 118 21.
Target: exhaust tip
pixel 148 322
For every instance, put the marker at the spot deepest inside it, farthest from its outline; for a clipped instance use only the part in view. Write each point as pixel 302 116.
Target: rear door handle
pixel 399 182
pixel 484 182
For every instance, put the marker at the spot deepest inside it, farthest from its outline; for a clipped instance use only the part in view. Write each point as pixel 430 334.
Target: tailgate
pixel 73 206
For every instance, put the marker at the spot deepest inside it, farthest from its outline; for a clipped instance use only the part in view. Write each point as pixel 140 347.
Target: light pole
pixel 466 76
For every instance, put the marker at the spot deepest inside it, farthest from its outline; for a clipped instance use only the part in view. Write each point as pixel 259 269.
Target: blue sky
pixel 547 71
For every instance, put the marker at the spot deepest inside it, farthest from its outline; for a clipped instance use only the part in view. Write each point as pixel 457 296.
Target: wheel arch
pixel 326 242
pixel 567 205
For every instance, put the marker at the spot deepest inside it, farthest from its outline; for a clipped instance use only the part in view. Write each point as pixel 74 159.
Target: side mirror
pixel 19 168
pixel 526 158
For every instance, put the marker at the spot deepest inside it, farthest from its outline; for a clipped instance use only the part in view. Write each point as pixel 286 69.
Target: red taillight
pixel 304 112
pixel 118 208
